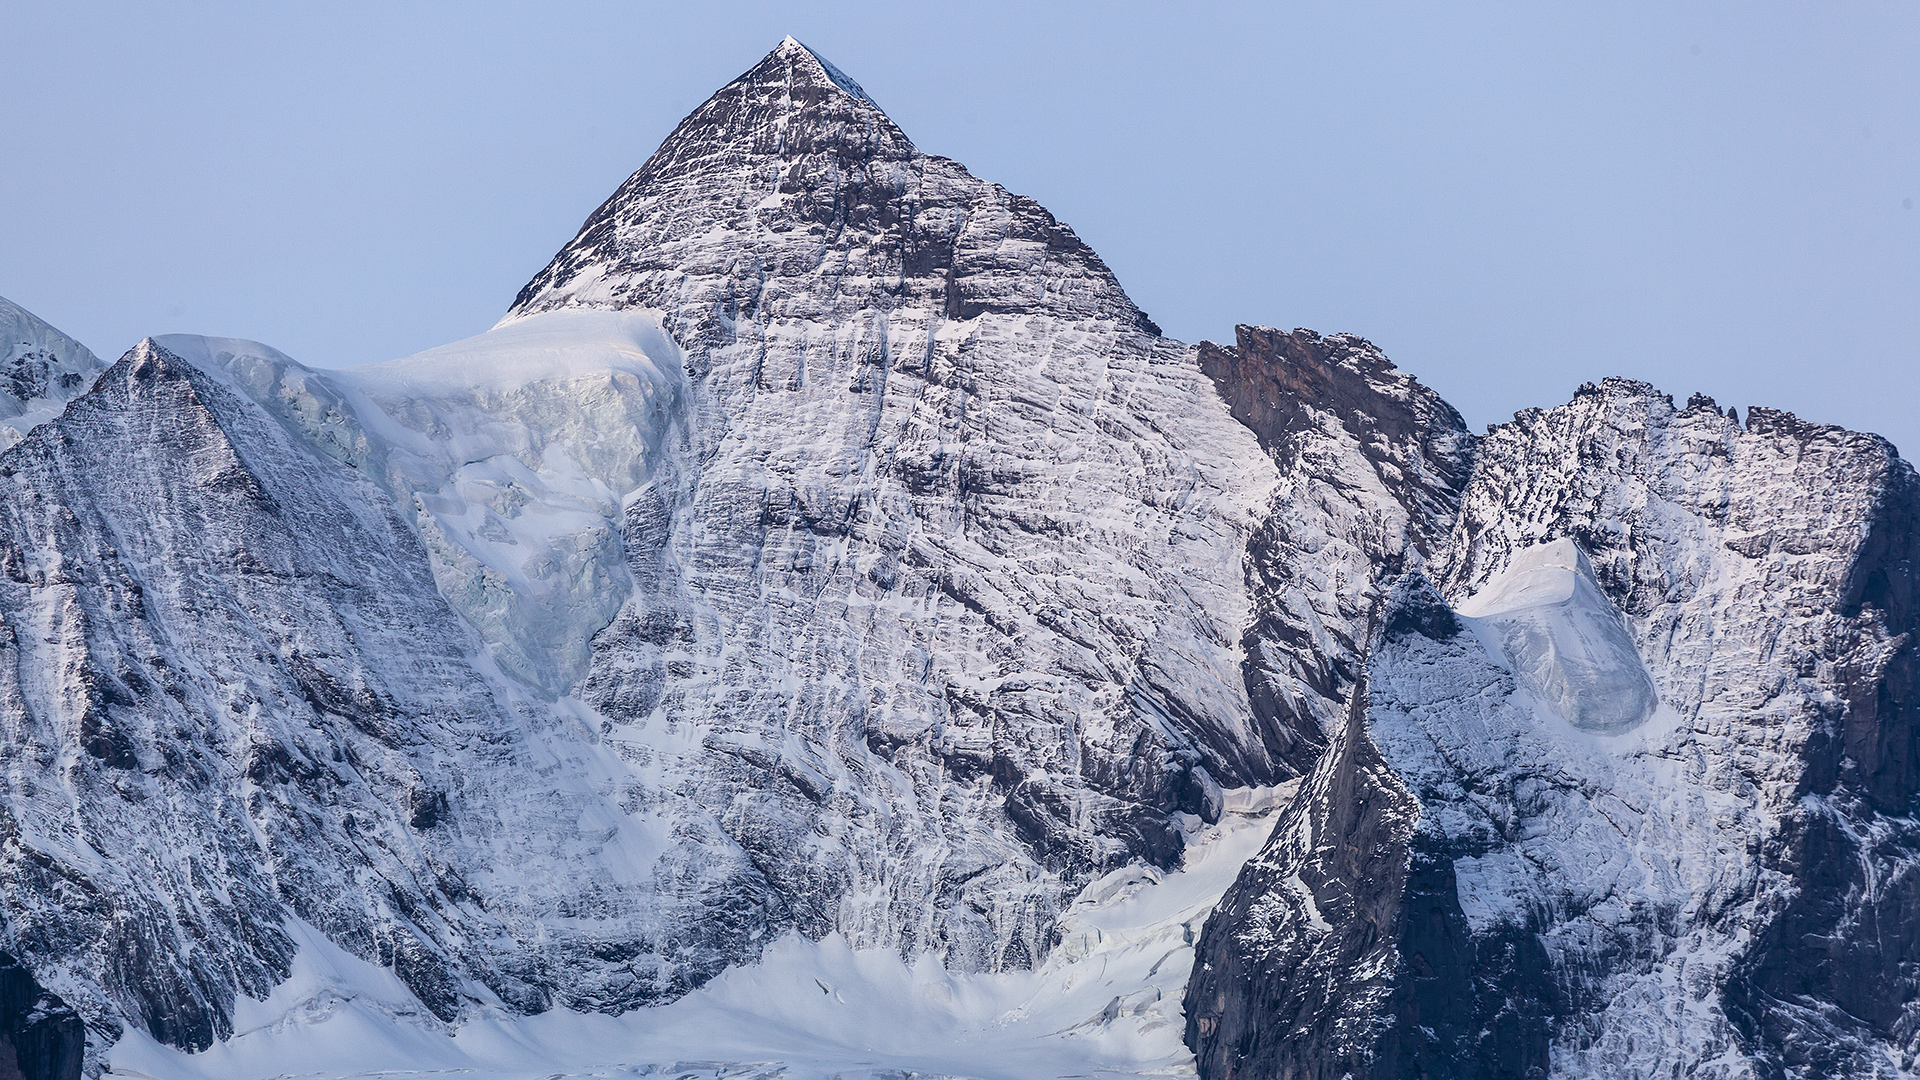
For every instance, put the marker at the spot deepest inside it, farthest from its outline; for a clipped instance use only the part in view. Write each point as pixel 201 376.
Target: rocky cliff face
pixel 1371 466
pixel 236 698
pixel 1675 897
pixel 948 578
pixel 40 1037
pixel 825 542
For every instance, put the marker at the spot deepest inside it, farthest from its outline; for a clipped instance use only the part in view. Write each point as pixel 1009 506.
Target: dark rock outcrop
pixel 1342 950
pixel 1371 468
pixel 1294 968
pixel 40 1037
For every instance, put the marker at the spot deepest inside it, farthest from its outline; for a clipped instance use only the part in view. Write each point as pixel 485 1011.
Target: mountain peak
pixel 790 185
pixel 791 51
pixel 40 370
pixel 783 144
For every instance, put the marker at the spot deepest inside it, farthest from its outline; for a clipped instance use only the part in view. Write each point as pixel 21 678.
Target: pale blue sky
pixel 1511 199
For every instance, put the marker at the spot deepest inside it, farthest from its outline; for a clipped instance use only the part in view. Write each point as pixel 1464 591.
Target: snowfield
pixel 1567 642
pixel 517 449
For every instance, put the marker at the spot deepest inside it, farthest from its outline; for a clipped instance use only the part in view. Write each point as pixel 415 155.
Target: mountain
pixel 947 570
pixel 1518 861
pixel 844 584
pixel 825 549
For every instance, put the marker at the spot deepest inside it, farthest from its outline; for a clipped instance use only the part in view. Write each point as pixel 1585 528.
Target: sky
pixel 1510 199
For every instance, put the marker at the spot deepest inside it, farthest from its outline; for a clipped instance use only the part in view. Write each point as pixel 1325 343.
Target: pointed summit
pixel 791 48
pixel 790 184
pixel 792 103
pixel 791 122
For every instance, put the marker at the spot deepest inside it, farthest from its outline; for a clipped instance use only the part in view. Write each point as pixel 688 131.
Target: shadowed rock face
pixel 40 1037
pixel 1343 950
pixel 1296 966
pixel 1298 390
pixel 1371 467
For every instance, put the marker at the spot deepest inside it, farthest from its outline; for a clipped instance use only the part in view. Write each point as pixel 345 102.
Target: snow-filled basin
pixel 1564 639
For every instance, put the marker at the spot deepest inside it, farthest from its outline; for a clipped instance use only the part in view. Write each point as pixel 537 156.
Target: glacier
pixel 1104 1005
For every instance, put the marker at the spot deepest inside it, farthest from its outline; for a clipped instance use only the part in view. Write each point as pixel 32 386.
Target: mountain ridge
pixel 824 543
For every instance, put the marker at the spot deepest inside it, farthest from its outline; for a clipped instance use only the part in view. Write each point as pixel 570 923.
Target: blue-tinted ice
pixel 1564 638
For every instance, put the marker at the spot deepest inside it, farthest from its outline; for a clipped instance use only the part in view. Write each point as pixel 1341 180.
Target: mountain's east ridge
pixel 824 543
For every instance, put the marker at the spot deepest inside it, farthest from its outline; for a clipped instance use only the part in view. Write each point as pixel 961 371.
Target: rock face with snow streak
pixel 857 557
pixel 234 696
pixel 1371 467
pixel 1727 889
pixel 948 582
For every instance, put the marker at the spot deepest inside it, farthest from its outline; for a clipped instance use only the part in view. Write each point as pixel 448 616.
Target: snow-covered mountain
pixel 947 569
pixel 572 664
pixel 1516 861
pixel 824 548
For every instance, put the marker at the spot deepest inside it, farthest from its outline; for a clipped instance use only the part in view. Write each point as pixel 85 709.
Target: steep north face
pixel 948 573
pixel 825 542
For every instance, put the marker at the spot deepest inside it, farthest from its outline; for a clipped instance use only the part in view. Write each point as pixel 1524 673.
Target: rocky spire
pixel 791 181
pixel 791 49
pixel 793 122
